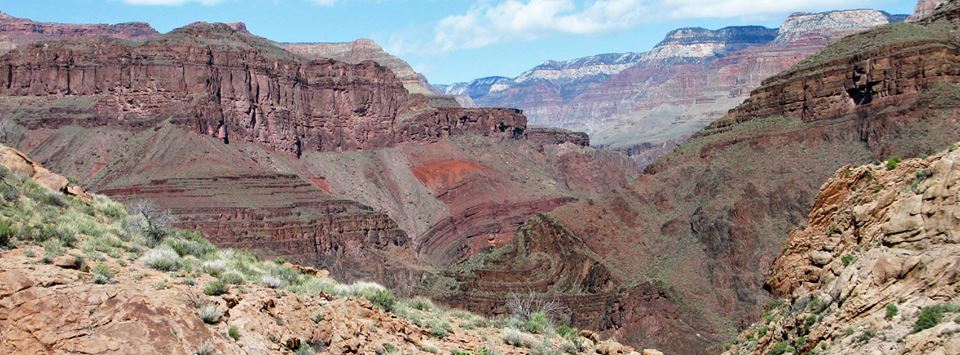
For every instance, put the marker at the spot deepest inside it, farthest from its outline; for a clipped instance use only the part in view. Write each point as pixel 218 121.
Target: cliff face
pixel 925 8
pixel 862 71
pixel 235 86
pixel 706 220
pixel 16 32
pixel 362 50
pixel 689 80
pixel 874 270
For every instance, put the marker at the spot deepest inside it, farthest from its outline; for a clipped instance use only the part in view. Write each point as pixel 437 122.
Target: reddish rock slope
pixel 706 220
pixel 16 32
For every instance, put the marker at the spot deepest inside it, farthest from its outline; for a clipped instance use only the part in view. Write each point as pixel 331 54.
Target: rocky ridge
pixel 874 270
pixel 16 32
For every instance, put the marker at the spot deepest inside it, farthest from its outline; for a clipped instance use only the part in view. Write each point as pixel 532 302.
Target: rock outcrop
pixel 874 270
pixel 362 50
pixel 925 8
pixel 16 32
pixel 545 136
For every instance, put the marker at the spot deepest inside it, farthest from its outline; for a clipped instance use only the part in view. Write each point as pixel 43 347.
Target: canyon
pixel 637 101
pixel 322 155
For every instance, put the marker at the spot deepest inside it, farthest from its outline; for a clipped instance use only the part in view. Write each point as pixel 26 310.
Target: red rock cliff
pixel 227 84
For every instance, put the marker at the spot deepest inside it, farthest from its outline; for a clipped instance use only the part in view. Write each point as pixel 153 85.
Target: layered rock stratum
pixel 15 32
pixel 634 100
pixel 874 270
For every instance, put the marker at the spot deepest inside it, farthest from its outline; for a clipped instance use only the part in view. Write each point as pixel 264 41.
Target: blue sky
pixel 452 40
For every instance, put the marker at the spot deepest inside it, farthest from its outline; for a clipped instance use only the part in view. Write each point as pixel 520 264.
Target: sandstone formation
pixel 874 270
pixel 547 136
pixel 16 32
pixel 925 8
pixel 363 50
pixel 17 162
pixel 687 81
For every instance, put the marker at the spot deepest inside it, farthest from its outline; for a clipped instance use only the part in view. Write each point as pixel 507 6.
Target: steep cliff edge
pixel 234 86
pixel 875 268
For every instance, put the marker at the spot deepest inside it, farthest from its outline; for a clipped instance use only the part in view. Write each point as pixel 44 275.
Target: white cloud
pixel 512 20
pixel 170 2
pixel 690 9
pixel 324 2
pixel 491 22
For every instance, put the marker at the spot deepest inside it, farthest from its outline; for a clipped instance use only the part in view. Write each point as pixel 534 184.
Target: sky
pixel 453 40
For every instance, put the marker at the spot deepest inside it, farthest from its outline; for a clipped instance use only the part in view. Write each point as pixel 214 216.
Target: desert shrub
pixel 932 315
pixel 7 232
pixel 865 336
pixel 232 278
pixel 384 299
pixel 163 259
pixel 52 247
pixel 421 304
pixel 439 328
pixel 318 317
pixel 515 337
pixel 205 348
pixel 210 313
pixel 847 259
pixel 102 273
pixel 762 331
pixel 192 244
pixel 151 222
pixel 781 348
pixel 215 288
pixel 817 305
pixel 892 163
pixel 892 311
pixel 271 281
pixel 214 267
pixel 537 323
pixel 566 332
pixel 234 332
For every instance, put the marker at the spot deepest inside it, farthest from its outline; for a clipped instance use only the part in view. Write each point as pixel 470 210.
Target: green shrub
pixel 762 331
pixel 7 232
pixel 537 324
pixel 865 336
pixel 215 288
pixel 781 348
pixel 272 281
pixel 892 311
pixel 52 248
pixel 210 313
pixel 893 162
pixel 317 318
pixel 234 332
pixel 102 273
pixel 421 304
pixel 195 245
pixel 440 328
pixel 566 332
pixel 383 299
pixel 932 315
pixel 163 259
pixel 232 278
pixel 847 259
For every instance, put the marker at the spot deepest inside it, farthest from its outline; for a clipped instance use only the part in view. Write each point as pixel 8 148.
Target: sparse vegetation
pixel 163 259
pixel 847 259
pixel 892 163
pixel 781 348
pixel 234 332
pixel 102 273
pixel 210 313
pixel 383 299
pixel 892 311
pixel 215 288
pixel 932 315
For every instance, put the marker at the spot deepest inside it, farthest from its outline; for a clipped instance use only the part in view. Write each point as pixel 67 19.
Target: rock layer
pixel 878 251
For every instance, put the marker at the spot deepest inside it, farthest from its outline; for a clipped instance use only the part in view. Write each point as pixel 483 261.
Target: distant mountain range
pixel 648 99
